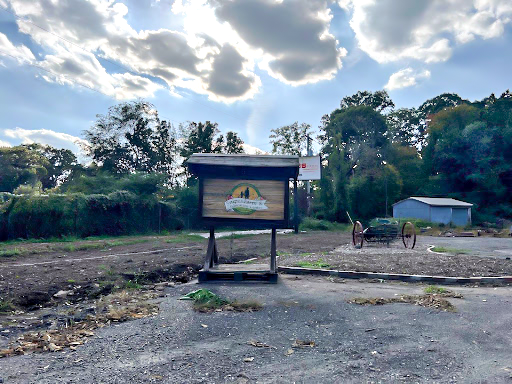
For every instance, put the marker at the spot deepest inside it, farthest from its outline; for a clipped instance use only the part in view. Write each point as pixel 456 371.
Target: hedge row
pixel 118 213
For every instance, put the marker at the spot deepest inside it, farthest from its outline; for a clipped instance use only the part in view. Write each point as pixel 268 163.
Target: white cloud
pixel 21 53
pixel 288 39
pixel 426 30
pixel 179 59
pixel 252 150
pixel 5 144
pixel 49 137
pixel 405 78
pixel 70 66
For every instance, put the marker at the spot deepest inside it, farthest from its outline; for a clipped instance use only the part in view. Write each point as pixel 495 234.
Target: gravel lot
pixel 388 343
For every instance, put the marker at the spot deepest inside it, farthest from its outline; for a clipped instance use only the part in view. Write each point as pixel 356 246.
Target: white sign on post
pixel 309 168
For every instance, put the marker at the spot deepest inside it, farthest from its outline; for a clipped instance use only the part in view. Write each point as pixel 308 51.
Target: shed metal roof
pixel 439 202
pixel 244 160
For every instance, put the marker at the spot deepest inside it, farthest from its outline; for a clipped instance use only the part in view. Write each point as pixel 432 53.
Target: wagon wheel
pixel 409 235
pixel 357 234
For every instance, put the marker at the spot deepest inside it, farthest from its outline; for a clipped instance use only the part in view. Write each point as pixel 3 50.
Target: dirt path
pixel 388 343
pixel 33 279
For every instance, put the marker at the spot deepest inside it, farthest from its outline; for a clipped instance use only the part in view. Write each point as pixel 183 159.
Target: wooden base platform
pixel 239 272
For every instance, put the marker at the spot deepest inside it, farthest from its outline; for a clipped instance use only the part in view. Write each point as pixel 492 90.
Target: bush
pixel 311 224
pixel 118 213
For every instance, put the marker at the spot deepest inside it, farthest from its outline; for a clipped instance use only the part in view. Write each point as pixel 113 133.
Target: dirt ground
pixel 54 286
pixel 308 331
pixel 39 271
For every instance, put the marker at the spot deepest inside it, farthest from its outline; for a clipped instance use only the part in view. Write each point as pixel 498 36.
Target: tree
pixel 234 144
pixel 290 139
pixel 407 127
pixel 61 164
pixel 378 101
pixel 368 192
pixel 359 132
pixel 131 138
pixel 21 165
pixel 201 138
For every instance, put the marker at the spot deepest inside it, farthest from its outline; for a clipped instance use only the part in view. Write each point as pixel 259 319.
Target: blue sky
pixel 249 65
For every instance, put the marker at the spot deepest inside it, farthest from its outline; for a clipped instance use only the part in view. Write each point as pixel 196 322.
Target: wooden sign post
pixel 243 191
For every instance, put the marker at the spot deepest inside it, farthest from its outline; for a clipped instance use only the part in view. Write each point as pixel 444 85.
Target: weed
pixel 6 306
pixel 107 270
pixel 207 301
pixel 305 254
pixel 322 225
pixel 455 251
pixel 71 281
pixel 131 284
pixel 435 289
pixel 312 264
pixel 185 238
pixel 10 252
pixel 428 300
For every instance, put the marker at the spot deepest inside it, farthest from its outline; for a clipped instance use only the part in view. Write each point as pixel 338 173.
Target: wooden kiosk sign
pixel 243 191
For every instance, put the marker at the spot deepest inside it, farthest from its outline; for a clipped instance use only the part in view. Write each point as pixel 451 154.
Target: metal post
pixel 295 206
pixel 273 252
pixel 308 183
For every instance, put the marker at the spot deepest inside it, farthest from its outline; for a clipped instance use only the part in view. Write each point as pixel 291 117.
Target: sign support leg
pixel 273 252
pixel 212 257
pixel 295 206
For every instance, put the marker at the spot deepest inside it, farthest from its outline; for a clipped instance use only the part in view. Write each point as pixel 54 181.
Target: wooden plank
pixel 266 196
pixel 244 160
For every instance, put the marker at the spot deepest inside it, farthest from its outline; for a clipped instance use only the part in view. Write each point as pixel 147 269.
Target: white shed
pixel 434 209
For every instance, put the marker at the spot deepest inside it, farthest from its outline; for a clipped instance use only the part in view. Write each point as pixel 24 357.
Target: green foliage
pixel 434 289
pixel 378 101
pixel 311 224
pixel 455 251
pixel 6 306
pixel 290 139
pixel 367 192
pixel 234 144
pixel 118 213
pixel 205 299
pixel 319 264
pixel 131 137
pixel 104 183
pixel 21 165
pixel 185 238
pixel 201 138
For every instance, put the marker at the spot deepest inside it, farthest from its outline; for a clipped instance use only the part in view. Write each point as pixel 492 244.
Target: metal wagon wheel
pixel 409 235
pixel 357 234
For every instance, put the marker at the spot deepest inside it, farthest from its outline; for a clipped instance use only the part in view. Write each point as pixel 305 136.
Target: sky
pixel 249 65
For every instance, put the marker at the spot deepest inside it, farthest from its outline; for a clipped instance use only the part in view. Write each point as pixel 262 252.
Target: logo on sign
pixel 245 199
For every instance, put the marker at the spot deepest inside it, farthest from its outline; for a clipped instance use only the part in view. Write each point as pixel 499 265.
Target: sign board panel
pixel 244 199
pixel 309 168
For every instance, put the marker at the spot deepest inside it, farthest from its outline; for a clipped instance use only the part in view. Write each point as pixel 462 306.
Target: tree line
pixel 372 156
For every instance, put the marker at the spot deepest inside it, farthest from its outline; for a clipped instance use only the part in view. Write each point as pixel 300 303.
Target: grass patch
pixel 435 289
pixel 108 271
pixel 207 301
pixel 131 284
pixel 64 247
pixel 10 252
pixel 429 301
pixel 6 307
pixel 455 251
pixel 312 264
pixel 185 238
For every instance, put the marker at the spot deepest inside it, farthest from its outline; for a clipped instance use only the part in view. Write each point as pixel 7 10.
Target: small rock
pixel 248 359
pixel 63 293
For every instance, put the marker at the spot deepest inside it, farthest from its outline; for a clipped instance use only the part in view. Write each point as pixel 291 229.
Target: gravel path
pixel 389 343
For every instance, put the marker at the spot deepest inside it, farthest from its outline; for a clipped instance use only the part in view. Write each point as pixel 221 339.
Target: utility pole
pixel 308 184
